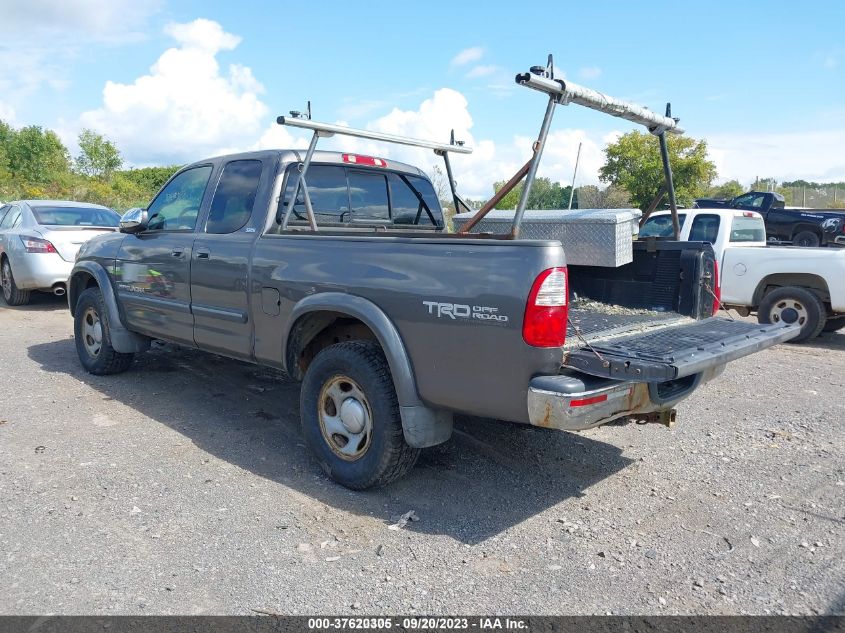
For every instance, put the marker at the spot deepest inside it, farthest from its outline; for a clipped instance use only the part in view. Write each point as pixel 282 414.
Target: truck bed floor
pixel 593 321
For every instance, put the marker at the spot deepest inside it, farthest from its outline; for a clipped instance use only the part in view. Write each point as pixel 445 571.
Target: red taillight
pixel 717 288
pixel 37 245
pixel 546 311
pixel 364 160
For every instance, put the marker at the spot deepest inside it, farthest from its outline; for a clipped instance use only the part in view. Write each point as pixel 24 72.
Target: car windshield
pixel 75 216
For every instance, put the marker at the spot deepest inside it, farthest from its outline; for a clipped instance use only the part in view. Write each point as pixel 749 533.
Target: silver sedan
pixel 39 240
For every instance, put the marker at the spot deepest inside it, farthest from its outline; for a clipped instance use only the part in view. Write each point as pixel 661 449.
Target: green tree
pixel 6 133
pixel 633 163
pixel 36 155
pixel 545 194
pixel 98 158
pixel 611 197
pixel 726 191
pixel 149 179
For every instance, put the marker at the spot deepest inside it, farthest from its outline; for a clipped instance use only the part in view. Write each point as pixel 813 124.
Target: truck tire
pixel 12 295
pixel 834 325
pixel 806 239
pixel 93 340
pixel 350 416
pixel 791 304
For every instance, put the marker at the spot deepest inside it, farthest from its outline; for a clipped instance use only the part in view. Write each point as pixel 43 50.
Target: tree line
pixel 34 163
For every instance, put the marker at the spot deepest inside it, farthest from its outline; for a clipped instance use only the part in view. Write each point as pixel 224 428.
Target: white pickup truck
pixel 778 283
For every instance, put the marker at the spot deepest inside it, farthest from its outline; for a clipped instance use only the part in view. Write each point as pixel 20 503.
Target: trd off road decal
pixel 464 312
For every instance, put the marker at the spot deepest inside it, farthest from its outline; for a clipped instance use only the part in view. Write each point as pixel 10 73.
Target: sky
pixel 176 81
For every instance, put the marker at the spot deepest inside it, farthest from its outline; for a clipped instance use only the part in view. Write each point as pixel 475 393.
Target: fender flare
pixel 421 425
pixel 122 339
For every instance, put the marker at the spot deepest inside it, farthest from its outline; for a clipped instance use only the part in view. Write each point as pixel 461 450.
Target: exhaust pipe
pixel 59 290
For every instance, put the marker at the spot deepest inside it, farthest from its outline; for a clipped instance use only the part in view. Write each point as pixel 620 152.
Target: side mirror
pixel 133 221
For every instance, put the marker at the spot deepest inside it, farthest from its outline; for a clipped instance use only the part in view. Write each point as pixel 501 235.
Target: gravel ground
pixel 183 487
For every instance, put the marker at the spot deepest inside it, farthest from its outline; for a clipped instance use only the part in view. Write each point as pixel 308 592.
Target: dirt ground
pixel 183 487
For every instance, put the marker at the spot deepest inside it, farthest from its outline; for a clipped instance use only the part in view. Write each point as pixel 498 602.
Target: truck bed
pixel 591 322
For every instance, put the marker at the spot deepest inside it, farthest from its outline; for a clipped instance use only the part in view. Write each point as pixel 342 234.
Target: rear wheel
pixel 806 238
pixel 93 339
pixel 13 295
pixel 350 416
pixel 794 305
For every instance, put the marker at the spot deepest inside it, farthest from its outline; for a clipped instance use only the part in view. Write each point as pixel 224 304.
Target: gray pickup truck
pixel 392 323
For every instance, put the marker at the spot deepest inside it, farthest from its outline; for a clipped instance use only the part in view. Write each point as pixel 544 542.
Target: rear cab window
pixel 705 228
pixel 748 229
pixel 344 196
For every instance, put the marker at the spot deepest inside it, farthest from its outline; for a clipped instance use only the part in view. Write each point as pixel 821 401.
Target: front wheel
pixel 794 305
pixel 93 339
pixel 12 295
pixel 350 416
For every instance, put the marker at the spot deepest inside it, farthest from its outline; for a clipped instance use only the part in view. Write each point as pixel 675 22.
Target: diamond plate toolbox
pixel 590 237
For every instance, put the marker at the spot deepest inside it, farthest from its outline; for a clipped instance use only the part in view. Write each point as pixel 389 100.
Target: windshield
pixel 75 216
pixel 660 225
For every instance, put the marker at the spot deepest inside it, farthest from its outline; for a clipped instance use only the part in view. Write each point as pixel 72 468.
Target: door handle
pixel 178 251
pixel 203 253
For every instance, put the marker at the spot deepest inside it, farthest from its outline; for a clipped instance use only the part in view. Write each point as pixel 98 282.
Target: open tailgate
pixel 676 351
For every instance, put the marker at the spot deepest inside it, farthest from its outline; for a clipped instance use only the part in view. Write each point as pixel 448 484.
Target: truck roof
pixel 297 155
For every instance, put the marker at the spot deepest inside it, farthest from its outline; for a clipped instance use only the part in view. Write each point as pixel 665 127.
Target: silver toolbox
pixel 590 237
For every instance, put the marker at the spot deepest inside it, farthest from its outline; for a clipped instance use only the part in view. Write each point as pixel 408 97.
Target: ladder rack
pixel 326 130
pixel 563 92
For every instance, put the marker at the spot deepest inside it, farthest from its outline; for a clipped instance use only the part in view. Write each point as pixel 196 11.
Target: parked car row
pixel 39 240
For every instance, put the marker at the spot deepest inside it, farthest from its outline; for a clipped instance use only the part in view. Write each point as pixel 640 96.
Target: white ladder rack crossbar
pixel 329 129
pixel 570 92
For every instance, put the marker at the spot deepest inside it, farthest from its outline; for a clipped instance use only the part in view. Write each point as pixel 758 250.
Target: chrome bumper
pixel 602 402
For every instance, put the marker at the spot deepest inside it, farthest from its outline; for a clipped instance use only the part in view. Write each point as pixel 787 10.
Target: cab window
pixel 177 206
pixel 750 200
pixel 660 226
pixel 705 228
pixel 234 198
pixel 413 201
pixel 327 190
pixel 745 229
pixel 368 196
pixel 343 196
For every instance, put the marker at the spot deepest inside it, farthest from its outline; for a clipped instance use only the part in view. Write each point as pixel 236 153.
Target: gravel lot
pixel 183 487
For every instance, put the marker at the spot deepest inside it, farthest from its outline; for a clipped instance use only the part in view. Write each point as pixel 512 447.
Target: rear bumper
pixel 575 402
pixel 39 271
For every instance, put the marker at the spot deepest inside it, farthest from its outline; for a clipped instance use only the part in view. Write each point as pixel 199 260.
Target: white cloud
pixel 467 56
pixel 41 38
pixel 590 72
pixel 482 71
pixel 815 156
pixel 186 107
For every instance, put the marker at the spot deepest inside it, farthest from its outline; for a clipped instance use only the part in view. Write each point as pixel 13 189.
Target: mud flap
pixel 676 351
